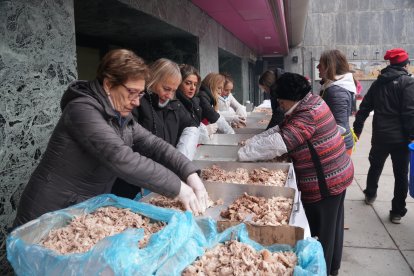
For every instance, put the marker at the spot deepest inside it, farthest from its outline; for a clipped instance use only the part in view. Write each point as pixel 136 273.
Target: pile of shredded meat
pixel 260 176
pixel 85 231
pixel 264 122
pixel 165 202
pixel 236 258
pixel 260 210
pixel 267 111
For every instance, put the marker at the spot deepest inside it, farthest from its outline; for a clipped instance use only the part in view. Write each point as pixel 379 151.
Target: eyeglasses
pixel 133 93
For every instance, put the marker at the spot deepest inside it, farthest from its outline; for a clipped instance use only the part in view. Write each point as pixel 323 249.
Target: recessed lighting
pixel 275 52
pixel 267 37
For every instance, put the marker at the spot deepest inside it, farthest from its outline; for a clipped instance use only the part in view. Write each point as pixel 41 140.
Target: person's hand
pixel 238 120
pixel 194 181
pixel 211 128
pixel 189 199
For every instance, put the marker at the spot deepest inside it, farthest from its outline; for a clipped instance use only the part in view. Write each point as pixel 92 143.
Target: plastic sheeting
pixel 114 255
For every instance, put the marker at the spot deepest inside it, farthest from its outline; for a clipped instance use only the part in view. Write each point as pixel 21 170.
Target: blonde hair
pixel 212 81
pixel 162 69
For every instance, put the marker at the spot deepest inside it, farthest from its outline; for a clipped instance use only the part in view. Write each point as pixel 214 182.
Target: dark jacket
pixel 192 106
pixel 207 104
pixel 391 97
pixel 89 148
pixel 277 113
pixel 340 101
pixel 166 122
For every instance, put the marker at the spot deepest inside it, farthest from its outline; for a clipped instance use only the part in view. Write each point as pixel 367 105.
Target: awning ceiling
pixel 260 24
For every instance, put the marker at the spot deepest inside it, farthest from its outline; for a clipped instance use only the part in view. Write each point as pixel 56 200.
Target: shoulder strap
pixel 323 187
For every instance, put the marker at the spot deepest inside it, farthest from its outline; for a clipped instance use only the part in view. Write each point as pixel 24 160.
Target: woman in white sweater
pixel 228 106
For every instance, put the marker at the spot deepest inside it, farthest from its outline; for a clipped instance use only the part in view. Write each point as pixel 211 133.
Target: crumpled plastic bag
pixel 223 126
pixel 115 255
pixel 265 147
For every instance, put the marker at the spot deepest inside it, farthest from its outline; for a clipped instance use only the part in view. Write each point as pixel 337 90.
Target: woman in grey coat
pixel 91 146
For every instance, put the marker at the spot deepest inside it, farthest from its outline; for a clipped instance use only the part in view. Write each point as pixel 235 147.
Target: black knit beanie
pixel 291 86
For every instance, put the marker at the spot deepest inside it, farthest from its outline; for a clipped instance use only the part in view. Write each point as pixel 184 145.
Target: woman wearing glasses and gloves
pixel 267 82
pixel 91 146
pixel 211 87
pixel 310 136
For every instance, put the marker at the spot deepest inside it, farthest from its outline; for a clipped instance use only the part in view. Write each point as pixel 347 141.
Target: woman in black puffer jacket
pixel 338 90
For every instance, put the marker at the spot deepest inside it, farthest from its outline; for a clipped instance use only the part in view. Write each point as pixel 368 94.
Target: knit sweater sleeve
pixel 297 130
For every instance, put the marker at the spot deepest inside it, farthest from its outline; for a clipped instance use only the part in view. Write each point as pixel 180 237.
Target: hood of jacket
pixel 93 93
pixel 391 73
pixel 345 81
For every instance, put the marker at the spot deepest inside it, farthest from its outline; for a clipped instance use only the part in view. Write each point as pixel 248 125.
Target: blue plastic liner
pixel 411 185
pixel 114 255
pixel 311 261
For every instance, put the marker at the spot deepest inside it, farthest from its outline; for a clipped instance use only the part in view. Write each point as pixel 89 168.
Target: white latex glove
pixel 189 199
pixel 223 126
pixel 187 144
pixel 212 128
pixel 238 120
pixel 241 111
pixel 264 148
pixel 194 181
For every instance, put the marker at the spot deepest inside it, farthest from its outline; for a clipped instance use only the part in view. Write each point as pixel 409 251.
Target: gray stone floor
pixel 372 244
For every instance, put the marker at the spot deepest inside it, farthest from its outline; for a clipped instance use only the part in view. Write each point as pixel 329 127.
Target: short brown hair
pixel 335 63
pixel 119 65
pixel 227 78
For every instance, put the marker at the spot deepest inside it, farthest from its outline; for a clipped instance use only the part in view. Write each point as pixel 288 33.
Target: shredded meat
pixel 236 258
pixel 267 111
pixel 264 122
pixel 260 176
pixel 84 231
pixel 260 210
pixel 165 202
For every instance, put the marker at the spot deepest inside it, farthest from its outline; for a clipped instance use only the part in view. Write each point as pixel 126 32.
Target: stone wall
pixel 37 61
pixel 363 26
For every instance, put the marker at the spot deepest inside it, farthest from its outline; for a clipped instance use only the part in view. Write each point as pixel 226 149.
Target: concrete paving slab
pixel 402 234
pixel 365 229
pixel 361 165
pixel 373 262
pixel 354 192
pixel 385 191
pixel 409 257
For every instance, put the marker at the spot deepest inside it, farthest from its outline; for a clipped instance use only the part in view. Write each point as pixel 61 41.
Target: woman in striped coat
pixel 310 136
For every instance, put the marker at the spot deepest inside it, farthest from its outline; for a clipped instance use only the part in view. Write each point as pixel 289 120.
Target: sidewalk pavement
pixel 372 244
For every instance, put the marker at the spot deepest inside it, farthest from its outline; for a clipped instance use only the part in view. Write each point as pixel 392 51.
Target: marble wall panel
pixel 37 62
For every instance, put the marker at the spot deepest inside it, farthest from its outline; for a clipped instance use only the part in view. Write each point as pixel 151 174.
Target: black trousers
pixel 400 159
pixel 326 221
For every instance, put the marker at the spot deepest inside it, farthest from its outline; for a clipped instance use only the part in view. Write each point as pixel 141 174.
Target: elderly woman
pixel 162 114
pixel 91 146
pixel 310 136
pixel 211 87
pixel 338 90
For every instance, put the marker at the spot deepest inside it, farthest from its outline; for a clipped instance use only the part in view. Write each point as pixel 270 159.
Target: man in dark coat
pixel 391 97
